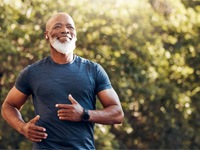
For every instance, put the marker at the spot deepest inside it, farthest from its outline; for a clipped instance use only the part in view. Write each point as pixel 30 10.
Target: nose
pixel 64 30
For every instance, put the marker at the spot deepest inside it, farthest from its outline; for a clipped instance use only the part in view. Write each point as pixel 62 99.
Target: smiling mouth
pixel 68 36
pixel 65 38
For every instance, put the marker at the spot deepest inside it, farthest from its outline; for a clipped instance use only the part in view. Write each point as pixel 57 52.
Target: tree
pixel 150 49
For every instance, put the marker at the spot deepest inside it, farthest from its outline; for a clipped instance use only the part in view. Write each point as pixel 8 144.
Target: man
pixel 64 88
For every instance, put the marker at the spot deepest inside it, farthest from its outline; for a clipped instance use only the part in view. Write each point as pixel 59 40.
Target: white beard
pixel 64 48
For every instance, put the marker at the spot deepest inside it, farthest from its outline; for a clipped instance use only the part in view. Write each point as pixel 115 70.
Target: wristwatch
pixel 85 116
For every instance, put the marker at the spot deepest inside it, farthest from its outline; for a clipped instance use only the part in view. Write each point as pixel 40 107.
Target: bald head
pixel 58 17
pixel 60 29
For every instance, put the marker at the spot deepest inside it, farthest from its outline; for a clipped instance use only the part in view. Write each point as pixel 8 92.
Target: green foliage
pixel 150 49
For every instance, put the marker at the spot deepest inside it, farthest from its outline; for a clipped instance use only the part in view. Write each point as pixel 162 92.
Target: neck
pixel 60 58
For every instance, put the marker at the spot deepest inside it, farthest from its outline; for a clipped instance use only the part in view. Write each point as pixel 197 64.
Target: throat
pixel 62 58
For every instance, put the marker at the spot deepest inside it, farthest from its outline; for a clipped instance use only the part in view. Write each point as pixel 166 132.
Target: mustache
pixel 56 39
pixel 66 35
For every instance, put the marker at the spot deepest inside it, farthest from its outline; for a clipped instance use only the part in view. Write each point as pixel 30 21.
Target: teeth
pixel 69 36
pixel 66 36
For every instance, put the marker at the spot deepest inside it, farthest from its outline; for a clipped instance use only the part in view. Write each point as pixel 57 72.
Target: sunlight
pixel 13 3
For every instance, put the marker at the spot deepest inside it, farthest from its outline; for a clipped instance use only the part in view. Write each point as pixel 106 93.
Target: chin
pixel 64 48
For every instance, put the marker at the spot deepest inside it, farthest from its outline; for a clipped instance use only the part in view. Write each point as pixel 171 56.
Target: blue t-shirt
pixel 50 83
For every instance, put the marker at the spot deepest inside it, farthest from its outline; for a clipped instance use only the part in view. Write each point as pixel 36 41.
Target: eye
pixel 70 27
pixel 57 27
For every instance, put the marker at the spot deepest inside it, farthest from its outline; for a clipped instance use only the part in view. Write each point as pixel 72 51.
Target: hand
pixel 33 132
pixel 70 112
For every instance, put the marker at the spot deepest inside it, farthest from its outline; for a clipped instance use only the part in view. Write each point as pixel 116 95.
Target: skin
pixel 58 26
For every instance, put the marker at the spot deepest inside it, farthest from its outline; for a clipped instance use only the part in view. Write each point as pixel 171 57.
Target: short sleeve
pixel 22 82
pixel 102 79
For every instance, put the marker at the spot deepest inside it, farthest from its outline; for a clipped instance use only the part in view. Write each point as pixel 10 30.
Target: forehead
pixel 59 19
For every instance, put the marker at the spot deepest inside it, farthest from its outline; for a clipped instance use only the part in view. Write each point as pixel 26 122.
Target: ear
pixel 46 35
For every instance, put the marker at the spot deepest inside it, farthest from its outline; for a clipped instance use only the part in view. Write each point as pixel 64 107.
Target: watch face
pixel 85 116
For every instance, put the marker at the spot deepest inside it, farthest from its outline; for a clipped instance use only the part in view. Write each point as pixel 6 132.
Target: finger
pixel 35 127
pixel 64 118
pixel 39 135
pixel 36 139
pixel 63 113
pixel 64 106
pixel 72 100
pixel 38 128
pixel 34 120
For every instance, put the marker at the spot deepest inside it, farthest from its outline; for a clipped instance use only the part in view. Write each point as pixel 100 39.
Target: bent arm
pixel 11 106
pixel 112 112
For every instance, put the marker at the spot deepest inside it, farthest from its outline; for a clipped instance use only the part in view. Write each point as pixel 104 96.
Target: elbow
pixel 119 117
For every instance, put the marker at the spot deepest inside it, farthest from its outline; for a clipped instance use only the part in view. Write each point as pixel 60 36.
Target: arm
pixel 11 106
pixel 11 113
pixel 112 112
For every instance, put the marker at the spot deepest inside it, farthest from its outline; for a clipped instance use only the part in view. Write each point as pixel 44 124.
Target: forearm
pixel 109 115
pixel 12 116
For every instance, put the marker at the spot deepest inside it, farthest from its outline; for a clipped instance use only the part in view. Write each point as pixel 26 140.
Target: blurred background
pixel 149 48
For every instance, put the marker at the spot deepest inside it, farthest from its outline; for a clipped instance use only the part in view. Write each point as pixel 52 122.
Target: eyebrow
pixel 57 24
pixel 69 24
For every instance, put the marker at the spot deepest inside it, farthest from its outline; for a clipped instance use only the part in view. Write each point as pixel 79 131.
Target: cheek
pixel 73 35
pixel 53 34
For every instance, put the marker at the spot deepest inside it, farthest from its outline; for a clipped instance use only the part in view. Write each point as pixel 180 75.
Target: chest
pixel 60 82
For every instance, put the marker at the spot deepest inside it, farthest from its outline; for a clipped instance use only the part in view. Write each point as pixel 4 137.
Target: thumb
pixel 35 119
pixel 72 100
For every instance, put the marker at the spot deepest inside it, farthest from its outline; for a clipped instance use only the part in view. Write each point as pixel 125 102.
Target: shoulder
pixel 39 63
pixel 80 59
pixel 95 67
pixel 83 61
pixel 35 67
